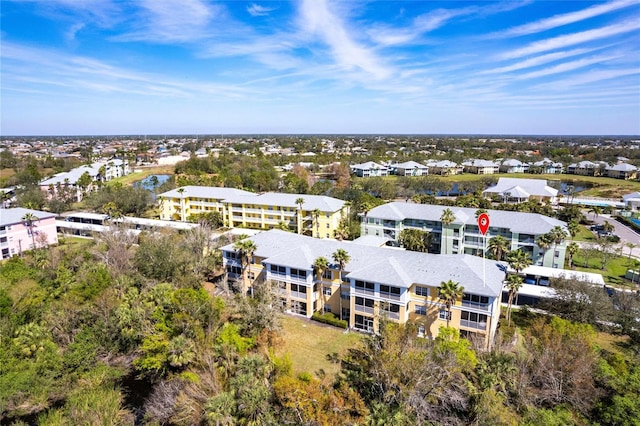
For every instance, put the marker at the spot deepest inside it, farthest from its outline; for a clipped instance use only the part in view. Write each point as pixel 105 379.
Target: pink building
pixel 18 235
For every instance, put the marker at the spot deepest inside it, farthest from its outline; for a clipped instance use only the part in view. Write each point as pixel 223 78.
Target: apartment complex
pixel 462 236
pixel 376 282
pixel 18 233
pixel 317 215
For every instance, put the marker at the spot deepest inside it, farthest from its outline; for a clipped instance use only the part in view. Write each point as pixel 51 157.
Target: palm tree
pixel 182 207
pixel 447 218
pixel 299 202
pixel 596 210
pixel 557 236
pixel 573 227
pixel 514 283
pixel 544 242
pixel 245 249
pixel 448 293
pixel 499 246
pixel 29 218
pixel 572 249
pixel 630 246
pixel 320 265
pixel 479 212
pixel 607 227
pixel 341 258
pixel 518 260
pixel 316 220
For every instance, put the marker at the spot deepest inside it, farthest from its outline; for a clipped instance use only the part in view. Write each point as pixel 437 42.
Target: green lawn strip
pixel 613 273
pixel 308 343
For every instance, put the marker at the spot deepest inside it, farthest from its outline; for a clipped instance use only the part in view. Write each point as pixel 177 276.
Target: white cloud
pixel 257 10
pixel 572 39
pixel 567 18
pixel 317 19
pixel 567 66
pixel 539 60
pixel 173 21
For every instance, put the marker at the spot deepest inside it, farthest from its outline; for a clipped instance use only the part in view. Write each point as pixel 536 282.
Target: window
pixel 328 226
pixel 234 270
pixel 298 273
pixel 474 298
pixel 389 291
pixel 422 291
pixel 327 274
pixel 326 291
pixel 326 308
pixel 363 285
pixel 557 253
pixel 444 315
pixel 421 330
pixel 421 310
pixel 473 320
pixel 276 269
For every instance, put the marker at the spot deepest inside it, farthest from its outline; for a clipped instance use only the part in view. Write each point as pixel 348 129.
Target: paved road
pixel 626 234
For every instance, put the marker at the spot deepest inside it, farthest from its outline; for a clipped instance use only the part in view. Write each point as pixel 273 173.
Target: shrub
pixel 329 318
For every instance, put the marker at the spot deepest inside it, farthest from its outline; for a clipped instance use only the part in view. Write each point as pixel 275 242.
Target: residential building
pixel 410 168
pixel 18 234
pixel 518 190
pixel 481 167
pixel 98 173
pixel 376 282
pixel 513 166
pixel 369 169
pixel 632 201
pixel 463 236
pixel 318 215
pixel 444 168
pixel 622 171
pixel 587 168
pixel 546 166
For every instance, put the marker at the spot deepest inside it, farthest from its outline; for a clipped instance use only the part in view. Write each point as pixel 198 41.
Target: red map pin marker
pixel 483 223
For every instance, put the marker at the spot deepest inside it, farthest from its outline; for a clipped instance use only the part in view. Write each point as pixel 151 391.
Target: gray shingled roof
pixel 15 215
pixel 522 223
pixel 382 265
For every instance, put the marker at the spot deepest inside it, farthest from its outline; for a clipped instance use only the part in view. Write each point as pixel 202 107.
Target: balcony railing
pixel 476 305
pixel 473 324
pixel 391 296
pixel 365 309
pixel 299 295
pixel 391 315
pixel 364 292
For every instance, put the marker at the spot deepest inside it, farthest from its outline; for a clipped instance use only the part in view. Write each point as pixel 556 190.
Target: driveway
pixel 626 234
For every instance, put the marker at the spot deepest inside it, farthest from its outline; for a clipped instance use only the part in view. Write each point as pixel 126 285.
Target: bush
pixel 329 318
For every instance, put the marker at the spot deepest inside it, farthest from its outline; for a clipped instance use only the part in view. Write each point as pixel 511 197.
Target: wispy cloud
pixel 568 66
pixel 566 19
pixel 257 10
pixel 169 21
pixel 317 19
pixel 572 39
pixel 539 60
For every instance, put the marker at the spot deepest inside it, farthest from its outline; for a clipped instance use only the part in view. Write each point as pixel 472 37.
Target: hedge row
pixel 627 222
pixel 329 318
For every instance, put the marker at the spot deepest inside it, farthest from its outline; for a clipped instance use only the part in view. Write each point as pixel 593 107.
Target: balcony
pixel 473 324
pixel 364 309
pixel 486 307
pixel 391 315
pixel 390 296
pixel 299 295
pixel 359 291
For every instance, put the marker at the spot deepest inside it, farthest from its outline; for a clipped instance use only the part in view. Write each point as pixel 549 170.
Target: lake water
pixel 147 183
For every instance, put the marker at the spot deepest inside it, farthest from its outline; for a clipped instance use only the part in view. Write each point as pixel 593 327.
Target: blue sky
pixel 319 66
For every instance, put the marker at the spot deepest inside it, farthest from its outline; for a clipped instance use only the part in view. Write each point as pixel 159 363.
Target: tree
pixel 596 210
pixel 518 260
pixel 300 202
pixel 415 239
pixel 544 242
pixel 572 250
pixel 245 249
pixel 84 182
pixel 557 235
pixel 29 219
pixel 499 246
pixel 447 218
pixel 320 265
pixel 341 258
pixel 630 246
pixel 183 216
pixel 448 293
pixel 573 227
pixel 316 220
pixel 514 283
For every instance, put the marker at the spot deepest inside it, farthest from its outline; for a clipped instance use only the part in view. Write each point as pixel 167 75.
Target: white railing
pixel 475 305
pixel 365 309
pixel 473 324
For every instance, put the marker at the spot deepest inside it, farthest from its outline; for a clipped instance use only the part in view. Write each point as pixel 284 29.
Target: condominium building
pixel 25 229
pixel 316 215
pixel 463 236
pixel 376 282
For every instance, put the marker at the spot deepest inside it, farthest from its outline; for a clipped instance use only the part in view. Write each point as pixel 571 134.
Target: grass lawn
pixel 308 343
pixel 143 173
pixel 613 273
pixel 585 235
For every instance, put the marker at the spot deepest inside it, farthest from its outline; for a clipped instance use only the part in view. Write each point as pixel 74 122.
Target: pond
pixel 150 183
